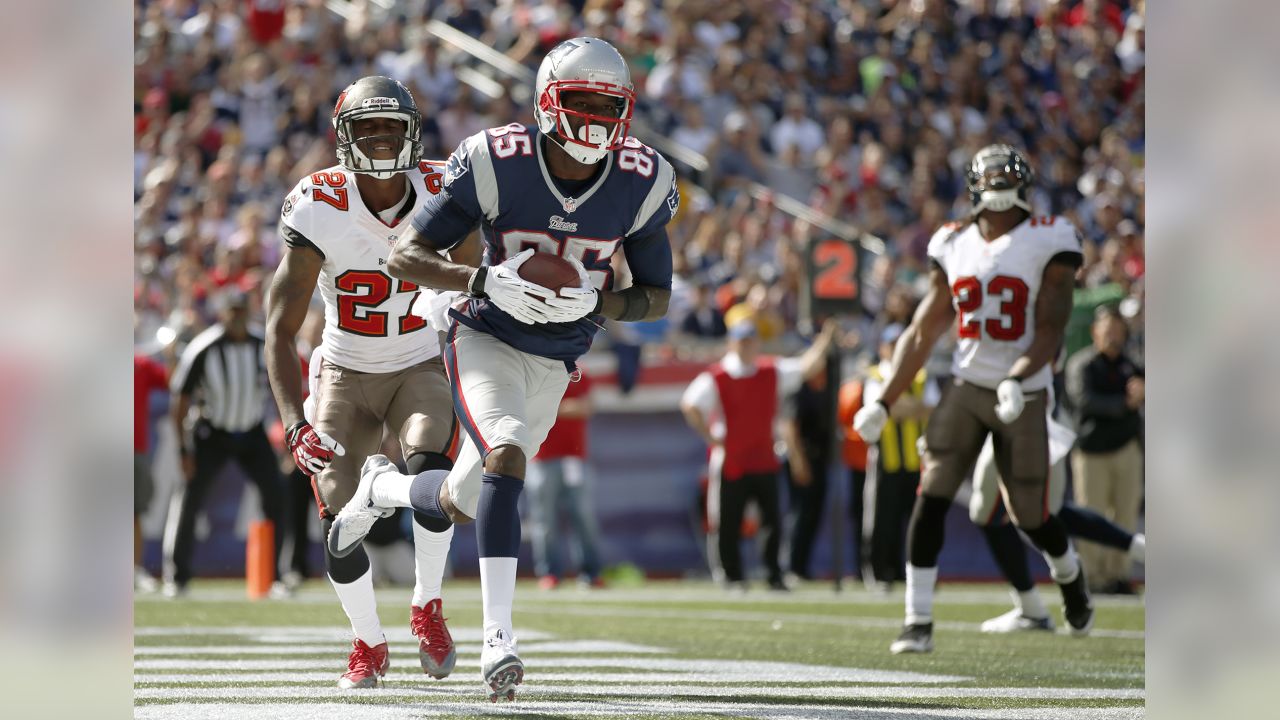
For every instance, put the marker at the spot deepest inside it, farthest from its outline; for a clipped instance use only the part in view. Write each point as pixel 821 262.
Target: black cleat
pixel 914 639
pixel 1076 605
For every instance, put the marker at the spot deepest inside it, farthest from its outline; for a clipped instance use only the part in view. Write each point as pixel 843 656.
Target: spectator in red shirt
pixel 265 20
pixel 148 376
pixel 558 481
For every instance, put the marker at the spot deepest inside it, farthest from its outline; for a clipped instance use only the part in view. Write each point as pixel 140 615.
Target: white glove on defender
pixel 573 303
pixel 870 420
pixel 433 306
pixel 514 295
pixel 1009 400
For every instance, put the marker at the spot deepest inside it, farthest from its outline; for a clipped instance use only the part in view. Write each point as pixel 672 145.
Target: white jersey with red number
pixel 993 289
pixel 367 323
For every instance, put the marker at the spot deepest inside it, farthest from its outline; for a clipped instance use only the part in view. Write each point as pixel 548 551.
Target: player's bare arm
pixel 414 259
pixel 469 252
pixel 1053 309
pixel 933 317
pixel 287 303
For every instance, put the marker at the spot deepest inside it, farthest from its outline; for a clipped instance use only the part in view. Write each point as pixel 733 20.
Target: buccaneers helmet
pixel 999 178
pixel 372 97
pixel 584 64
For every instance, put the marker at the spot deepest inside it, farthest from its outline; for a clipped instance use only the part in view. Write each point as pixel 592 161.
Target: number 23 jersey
pixel 994 286
pixel 367 323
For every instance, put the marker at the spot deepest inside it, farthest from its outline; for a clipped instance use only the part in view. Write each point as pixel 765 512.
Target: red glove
pixel 312 450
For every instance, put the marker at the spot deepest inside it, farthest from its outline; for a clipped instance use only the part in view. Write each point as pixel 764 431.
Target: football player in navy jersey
pixel 575 185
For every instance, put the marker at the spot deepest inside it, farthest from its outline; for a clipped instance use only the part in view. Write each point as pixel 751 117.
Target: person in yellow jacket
pixel 893 469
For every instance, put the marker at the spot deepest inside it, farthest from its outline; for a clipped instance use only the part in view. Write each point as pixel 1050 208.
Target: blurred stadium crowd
pixel 864 110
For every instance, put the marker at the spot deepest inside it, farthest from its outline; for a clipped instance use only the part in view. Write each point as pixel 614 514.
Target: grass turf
pixel 1046 675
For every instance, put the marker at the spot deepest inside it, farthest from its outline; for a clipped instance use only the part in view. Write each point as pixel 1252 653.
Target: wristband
pixel 475 286
pixel 599 303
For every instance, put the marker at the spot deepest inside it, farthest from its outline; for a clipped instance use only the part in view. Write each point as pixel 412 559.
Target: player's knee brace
pixel 433 524
pixel 926 530
pixel 347 569
pixel 1050 537
pixel 424 461
pixel 420 463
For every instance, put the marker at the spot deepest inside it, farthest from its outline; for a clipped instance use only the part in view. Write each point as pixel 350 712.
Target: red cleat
pixel 548 582
pixel 365 667
pixel 435 644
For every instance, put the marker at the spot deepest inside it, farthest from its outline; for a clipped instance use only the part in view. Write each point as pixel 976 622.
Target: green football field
pixel 667 649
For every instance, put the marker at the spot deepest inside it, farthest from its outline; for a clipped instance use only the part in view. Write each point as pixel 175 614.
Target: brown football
pixel 549 270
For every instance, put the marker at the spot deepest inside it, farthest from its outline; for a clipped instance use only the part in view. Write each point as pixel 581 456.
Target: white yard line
pixel 673 670
pixel 809 594
pixel 597 708
pixel 289 634
pixel 745 616
pixel 436 693
pixel 589 647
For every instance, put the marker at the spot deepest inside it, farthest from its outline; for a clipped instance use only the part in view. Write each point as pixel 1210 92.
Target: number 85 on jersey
pixel 834 269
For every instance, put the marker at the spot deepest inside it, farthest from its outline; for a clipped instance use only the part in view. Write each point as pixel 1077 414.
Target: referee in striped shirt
pixel 220 396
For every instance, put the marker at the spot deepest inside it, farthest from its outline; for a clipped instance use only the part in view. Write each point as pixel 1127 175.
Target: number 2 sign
pixel 834 277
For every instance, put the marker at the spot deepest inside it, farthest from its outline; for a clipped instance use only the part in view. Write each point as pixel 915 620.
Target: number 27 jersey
pixel 994 286
pixel 367 323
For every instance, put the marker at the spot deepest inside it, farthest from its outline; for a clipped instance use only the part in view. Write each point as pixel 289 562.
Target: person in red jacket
pixel 148 376
pixel 733 405
pixel 559 480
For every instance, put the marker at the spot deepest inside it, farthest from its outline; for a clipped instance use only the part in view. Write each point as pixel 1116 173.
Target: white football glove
pixel 870 420
pixel 572 304
pixel 433 306
pixel 514 295
pixel 1009 400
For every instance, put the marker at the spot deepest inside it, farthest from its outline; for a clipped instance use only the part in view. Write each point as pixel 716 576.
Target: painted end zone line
pixel 438 694
pixel 310 711
pixel 757 671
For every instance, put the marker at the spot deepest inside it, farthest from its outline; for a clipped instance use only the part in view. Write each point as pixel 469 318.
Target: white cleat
pixel 1138 549
pixel 355 520
pixel 500 666
pixel 1015 621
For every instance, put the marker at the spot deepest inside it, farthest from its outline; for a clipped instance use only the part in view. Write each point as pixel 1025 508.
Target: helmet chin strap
pixel 1001 200
pixel 596 135
pixel 374 169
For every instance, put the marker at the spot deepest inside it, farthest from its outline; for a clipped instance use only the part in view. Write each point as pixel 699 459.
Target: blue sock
pixel 417 464
pixel 498 516
pixel 424 493
pixel 1085 523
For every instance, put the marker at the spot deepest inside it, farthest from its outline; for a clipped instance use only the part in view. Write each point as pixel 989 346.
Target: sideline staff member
pixel 733 406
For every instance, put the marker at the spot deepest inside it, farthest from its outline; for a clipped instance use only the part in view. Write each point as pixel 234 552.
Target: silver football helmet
pixel 584 64
pixel 370 97
pixel 999 178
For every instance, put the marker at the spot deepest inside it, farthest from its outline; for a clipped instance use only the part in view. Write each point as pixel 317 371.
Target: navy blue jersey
pixel 498 180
